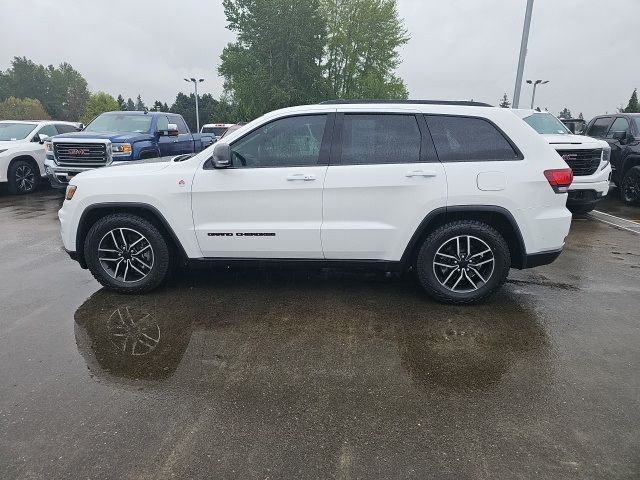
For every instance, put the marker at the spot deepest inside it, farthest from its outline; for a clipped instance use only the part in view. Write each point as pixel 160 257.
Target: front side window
pixel 162 123
pixel 48 130
pixel 120 122
pixel 468 139
pixel 182 127
pixel 599 127
pixel 288 142
pixel 15 131
pixel 546 124
pixel 380 138
pixel 619 127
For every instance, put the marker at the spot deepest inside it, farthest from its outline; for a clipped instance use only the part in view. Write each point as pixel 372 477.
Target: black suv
pixel 622 132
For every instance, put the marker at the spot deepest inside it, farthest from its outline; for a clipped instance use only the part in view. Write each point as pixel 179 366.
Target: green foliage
pixel 362 48
pixel 565 113
pixel 505 103
pixel 14 108
pixel 211 110
pixel 633 106
pixel 130 105
pixel 158 106
pixel 276 60
pixel 140 106
pixel 98 103
pixel 62 91
pixel 122 105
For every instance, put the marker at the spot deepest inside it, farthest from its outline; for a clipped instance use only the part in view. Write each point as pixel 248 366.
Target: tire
pixel 480 279
pixel 143 255
pixel 23 177
pixel 581 209
pixel 630 188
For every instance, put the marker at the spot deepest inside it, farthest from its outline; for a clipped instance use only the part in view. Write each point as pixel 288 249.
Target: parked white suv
pixel 22 151
pixel 459 191
pixel 589 159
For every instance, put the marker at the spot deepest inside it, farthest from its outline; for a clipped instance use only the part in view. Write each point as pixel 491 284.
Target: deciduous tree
pixel 22 109
pixel 98 103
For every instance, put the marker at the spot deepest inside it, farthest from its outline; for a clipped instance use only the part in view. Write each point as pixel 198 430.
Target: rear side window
pixel 468 139
pixel 380 138
pixel 63 128
pixel 599 127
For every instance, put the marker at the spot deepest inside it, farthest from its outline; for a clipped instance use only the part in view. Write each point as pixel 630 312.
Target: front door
pixel 269 203
pixel 383 180
pixel 618 138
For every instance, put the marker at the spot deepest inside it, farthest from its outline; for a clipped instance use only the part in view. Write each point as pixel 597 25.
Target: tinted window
pixel 466 139
pixel 49 130
pixel 619 126
pixel 288 142
pixel 599 127
pixel 380 138
pixel 163 124
pixel 182 127
pixel 62 128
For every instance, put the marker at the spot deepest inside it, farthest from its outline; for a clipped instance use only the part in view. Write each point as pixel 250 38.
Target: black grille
pixel 80 154
pixel 582 162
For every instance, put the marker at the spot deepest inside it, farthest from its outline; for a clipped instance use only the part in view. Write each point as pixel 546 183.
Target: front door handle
pixel 421 173
pixel 301 176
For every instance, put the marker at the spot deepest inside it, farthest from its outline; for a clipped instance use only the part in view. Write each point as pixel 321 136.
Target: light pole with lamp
pixel 195 84
pixel 535 84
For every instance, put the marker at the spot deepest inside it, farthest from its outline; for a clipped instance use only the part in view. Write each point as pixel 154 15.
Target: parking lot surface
pixel 316 374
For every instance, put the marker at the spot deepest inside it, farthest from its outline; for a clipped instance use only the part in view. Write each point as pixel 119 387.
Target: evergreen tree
pixel 565 113
pixel 140 106
pixel 633 106
pixel 130 105
pixel 581 117
pixel 505 103
pixel 121 103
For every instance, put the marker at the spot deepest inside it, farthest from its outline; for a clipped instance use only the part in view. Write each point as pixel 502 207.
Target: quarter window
pixel 288 142
pixel 468 139
pixel 380 138
pixel 599 127
pixel 619 126
pixel 63 128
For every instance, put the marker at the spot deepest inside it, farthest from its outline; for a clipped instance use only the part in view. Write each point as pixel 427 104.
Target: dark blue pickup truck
pixel 116 137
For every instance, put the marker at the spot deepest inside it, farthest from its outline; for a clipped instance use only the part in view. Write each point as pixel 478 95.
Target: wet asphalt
pixel 273 373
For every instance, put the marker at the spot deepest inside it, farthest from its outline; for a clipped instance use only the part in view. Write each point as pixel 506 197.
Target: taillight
pixel 560 179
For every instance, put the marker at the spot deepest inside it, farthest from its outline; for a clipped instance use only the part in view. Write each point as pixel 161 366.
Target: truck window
pixel 182 127
pixel 599 127
pixel 163 123
pixel 619 126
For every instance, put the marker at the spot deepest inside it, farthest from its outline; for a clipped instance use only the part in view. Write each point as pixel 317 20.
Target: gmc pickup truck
pixel 118 137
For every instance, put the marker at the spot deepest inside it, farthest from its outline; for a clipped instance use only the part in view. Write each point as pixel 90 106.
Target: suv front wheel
pixel 463 262
pixel 127 253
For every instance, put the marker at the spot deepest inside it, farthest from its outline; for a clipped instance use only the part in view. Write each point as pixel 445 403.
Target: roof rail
pixel 406 102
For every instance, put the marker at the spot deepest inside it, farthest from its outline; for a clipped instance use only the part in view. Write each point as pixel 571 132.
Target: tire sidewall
pixel 482 231
pixel 14 188
pixel 154 236
pixel 633 175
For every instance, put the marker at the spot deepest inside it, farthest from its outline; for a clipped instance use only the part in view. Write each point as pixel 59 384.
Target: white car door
pixel 269 203
pixel 384 178
pixel 36 148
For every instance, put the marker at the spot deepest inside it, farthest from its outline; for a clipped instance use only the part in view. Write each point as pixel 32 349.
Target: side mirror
pixel 173 130
pixel 221 155
pixel 620 136
pixel 43 138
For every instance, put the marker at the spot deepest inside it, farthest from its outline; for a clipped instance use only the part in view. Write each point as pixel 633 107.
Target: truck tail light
pixel 560 179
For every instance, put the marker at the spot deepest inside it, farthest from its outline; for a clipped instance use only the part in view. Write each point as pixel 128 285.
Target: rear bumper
pixel 542 258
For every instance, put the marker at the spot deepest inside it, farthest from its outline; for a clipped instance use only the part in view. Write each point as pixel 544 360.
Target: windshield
pixel 217 131
pixel 15 131
pixel 546 124
pixel 120 123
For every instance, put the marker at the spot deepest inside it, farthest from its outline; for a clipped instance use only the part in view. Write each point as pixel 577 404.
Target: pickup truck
pixel 119 137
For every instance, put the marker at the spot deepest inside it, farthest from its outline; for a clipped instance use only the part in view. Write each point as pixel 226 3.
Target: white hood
pixel 10 144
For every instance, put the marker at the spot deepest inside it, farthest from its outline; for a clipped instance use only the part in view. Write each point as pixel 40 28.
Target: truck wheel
pixel 630 188
pixel 463 262
pixel 127 253
pixel 22 177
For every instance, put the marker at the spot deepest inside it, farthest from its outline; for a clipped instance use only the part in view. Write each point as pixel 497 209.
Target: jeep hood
pixel 567 139
pixel 115 137
pixel 128 168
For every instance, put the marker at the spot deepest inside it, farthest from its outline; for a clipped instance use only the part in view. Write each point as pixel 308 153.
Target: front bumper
pixel 59 176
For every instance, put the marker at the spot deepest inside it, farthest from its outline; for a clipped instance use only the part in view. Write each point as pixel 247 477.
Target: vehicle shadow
pixel 216 327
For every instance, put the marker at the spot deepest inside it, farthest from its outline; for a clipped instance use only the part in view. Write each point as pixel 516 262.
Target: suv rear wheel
pixel 463 262
pixel 127 253
pixel 630 189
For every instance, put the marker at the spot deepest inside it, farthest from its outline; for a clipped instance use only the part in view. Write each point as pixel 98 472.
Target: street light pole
pixel 523 53
pixel 195 83
pixel 535 84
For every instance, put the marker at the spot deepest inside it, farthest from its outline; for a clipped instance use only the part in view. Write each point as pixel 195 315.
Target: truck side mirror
pixel 221 155
pixel 172 130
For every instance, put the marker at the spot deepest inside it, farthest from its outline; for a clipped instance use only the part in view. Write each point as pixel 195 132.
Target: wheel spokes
pixel 117 250
pixel 463 264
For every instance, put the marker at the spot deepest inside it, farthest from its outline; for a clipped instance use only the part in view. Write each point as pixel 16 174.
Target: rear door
pixel 269 203
pixel 183 143
pixel 384 178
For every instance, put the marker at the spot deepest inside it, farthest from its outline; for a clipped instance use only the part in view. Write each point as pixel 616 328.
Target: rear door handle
pixel 421 173
pixel 301 176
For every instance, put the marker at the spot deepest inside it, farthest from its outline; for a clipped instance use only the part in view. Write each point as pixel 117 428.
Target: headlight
pixel 48 147
pixel 71 191
pixel 606 156
pixel 121 148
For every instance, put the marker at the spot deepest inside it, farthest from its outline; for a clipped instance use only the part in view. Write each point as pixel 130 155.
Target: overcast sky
pixel 459 49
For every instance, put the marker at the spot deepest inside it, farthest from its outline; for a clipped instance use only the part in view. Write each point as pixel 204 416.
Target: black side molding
pixel 543 258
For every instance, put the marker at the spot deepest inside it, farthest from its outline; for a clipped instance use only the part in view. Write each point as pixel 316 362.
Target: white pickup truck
pixel 22 151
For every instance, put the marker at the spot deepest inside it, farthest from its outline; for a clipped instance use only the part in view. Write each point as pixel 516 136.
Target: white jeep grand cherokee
pixel 459 191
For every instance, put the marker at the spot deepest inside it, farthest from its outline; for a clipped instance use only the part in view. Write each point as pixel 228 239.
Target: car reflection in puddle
pixel 257 326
